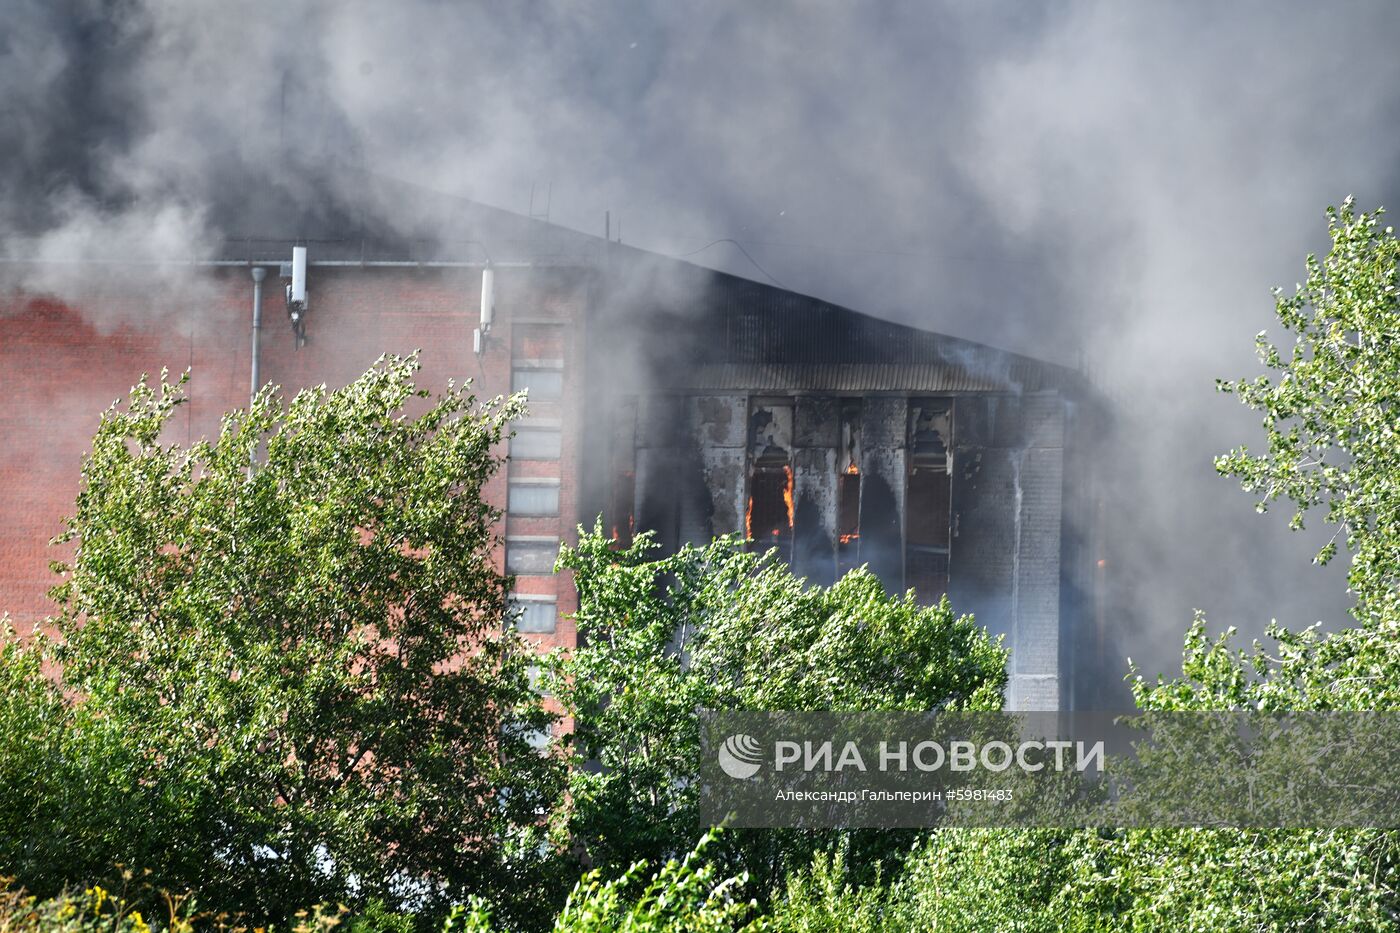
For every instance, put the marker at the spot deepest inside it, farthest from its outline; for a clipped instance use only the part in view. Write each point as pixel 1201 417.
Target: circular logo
pixel 740 756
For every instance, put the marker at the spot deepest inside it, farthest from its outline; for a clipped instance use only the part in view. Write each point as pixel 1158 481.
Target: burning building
pixel 839 440
pixel 663 396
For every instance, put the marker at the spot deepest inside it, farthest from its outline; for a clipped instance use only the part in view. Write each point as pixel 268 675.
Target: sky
pixel 1107 185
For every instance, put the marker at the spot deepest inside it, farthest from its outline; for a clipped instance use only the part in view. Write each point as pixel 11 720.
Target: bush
pixel 684 896
pixel 284 675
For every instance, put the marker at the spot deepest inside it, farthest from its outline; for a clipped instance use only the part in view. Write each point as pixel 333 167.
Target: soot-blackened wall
pixel 990 537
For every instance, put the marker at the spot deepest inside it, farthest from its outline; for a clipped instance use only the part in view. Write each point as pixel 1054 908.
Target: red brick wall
pixel 60 373
pixel 61 370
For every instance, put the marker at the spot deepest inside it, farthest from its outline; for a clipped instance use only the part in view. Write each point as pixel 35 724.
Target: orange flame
pixel 631 529
pixel 748 519
pixel 849 537
pixel 787 493
pixel 852 470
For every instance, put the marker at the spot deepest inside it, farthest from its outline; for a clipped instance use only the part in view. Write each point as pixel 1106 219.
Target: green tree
pixel 1330 413
pixel 720 627
pixel 289 684
pixel 1332 419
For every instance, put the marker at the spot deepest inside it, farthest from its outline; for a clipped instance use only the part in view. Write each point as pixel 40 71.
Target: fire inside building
pixel 663 396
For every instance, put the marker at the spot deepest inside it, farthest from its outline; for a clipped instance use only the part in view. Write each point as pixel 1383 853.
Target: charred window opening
pixel 623 524
pixel 622 494
pixel 928 501
pixel 768 519
pixel 848 517
pixel 848 489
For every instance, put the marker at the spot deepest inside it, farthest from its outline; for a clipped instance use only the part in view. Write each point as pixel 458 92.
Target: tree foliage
pixel 685 895
pixel 1332 422
pixel 721 627
pixel 1332 411
pixel 284 677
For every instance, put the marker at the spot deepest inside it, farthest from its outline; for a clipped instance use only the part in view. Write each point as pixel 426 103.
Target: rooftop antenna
pixel 548 201
pixel 295 274
pixel 488 308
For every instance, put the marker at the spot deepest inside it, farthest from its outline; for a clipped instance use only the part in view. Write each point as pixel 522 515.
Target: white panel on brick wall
pixel 535 614
pixel 531 555
pixel 533 498
pixel 540 383
pixel 535 444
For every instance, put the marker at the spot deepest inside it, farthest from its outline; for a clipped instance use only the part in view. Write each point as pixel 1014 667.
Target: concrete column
pixel 816 436
pixel 718 423
pixel 883 469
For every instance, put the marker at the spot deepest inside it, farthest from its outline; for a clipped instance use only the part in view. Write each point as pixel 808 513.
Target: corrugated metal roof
pixel 740 335
pixel 857 377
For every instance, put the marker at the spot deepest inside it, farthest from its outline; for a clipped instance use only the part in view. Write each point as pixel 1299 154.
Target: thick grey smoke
pixel 1118 184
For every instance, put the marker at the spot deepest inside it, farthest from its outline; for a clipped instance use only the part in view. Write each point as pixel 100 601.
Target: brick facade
pixel 65 363
pixel 652 383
